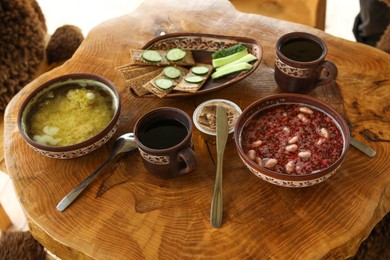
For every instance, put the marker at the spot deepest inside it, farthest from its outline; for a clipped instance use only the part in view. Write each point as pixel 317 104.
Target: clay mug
pixel 300 63
pixel 164 139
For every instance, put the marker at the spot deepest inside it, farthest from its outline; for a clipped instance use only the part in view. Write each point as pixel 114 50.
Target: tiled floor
pixel 339 21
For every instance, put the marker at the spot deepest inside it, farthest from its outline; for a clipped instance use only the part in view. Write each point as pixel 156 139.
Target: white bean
pixel 304 154
pixel 306 110
pixel 323 132
pixel 286 130
pixel 293 140
pixel 320 141
pixel 303 118
pixel 270 163
pixel 290 166
pixel 259 161
pixel 256 143
pixel 291 148
pixel 251 154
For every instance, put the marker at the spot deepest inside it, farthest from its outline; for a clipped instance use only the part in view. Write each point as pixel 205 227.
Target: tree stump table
pixel 127 213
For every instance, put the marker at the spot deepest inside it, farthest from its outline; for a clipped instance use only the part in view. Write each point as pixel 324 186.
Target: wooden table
pixel 127 213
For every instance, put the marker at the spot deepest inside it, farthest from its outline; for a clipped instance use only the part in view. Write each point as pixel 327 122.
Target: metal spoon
pixel 362 147
pixel 124 143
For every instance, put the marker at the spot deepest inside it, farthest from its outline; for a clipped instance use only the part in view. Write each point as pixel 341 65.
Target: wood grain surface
pixel 128 214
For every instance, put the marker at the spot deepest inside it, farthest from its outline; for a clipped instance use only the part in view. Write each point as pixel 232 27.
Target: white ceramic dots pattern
pixel 155 159
pixel 77 152
pixel 288 183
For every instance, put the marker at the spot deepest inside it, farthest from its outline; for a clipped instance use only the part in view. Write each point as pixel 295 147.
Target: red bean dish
pixel 292 139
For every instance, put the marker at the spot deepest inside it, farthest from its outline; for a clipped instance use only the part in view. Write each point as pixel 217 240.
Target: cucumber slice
pixel 225 60
pixel 228 51
pixel 247 58
pixel 200 70
pixel 175 54
pixel 231 69
pixel 151 56
pixel 163 84
pixel 171 72
pixel 194 79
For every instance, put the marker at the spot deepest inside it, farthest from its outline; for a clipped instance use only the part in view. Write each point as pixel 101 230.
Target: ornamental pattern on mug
pixel 154 159
pixel 292 71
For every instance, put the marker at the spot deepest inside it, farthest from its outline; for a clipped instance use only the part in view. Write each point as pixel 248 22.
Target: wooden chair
pixel 309 12
pixel 5 222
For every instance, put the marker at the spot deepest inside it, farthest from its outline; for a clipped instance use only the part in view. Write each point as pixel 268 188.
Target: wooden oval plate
pixel 202 46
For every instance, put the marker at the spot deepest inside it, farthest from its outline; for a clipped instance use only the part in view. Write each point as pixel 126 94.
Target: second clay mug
pixel 300 63
pixel 164 139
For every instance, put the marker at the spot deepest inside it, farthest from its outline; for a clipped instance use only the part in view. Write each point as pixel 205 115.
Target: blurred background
pixel 86 14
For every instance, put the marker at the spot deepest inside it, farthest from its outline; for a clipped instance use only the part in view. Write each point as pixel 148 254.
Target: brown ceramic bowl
pixel 93 87
pixel 281 177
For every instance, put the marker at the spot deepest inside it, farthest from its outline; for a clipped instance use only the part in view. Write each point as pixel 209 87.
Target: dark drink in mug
pixel 300 63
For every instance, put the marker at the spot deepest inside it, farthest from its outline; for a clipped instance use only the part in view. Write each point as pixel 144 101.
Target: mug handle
pixel 331 70
pixel 187 155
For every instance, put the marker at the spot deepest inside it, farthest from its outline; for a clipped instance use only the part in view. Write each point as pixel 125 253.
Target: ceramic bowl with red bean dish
pixel 291 140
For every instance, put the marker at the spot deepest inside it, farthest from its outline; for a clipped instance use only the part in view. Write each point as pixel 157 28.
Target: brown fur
pixel 20 245
pixel 22 43
pixel 63 43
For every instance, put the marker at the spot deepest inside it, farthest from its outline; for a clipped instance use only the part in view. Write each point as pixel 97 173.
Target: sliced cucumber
pixel 194 79
pixel 163 84
pixel 225 60
pixel 231 69
pixel 171 72
pixel 200 70
pixel 247 58
pixel 228 51
pixel 151 56
pixel 175 54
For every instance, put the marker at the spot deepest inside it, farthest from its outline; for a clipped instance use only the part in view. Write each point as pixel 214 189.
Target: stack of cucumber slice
pixel 171 73
pixel 231 60
pixel 198 71
pixel 163 84
pixel 151 56
pixel 175 54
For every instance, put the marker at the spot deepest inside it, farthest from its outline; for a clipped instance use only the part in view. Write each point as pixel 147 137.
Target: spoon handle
pixel 68 199
pixel 363 147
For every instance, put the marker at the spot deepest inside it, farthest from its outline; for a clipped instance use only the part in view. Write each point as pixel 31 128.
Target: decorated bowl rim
pixel 276 99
